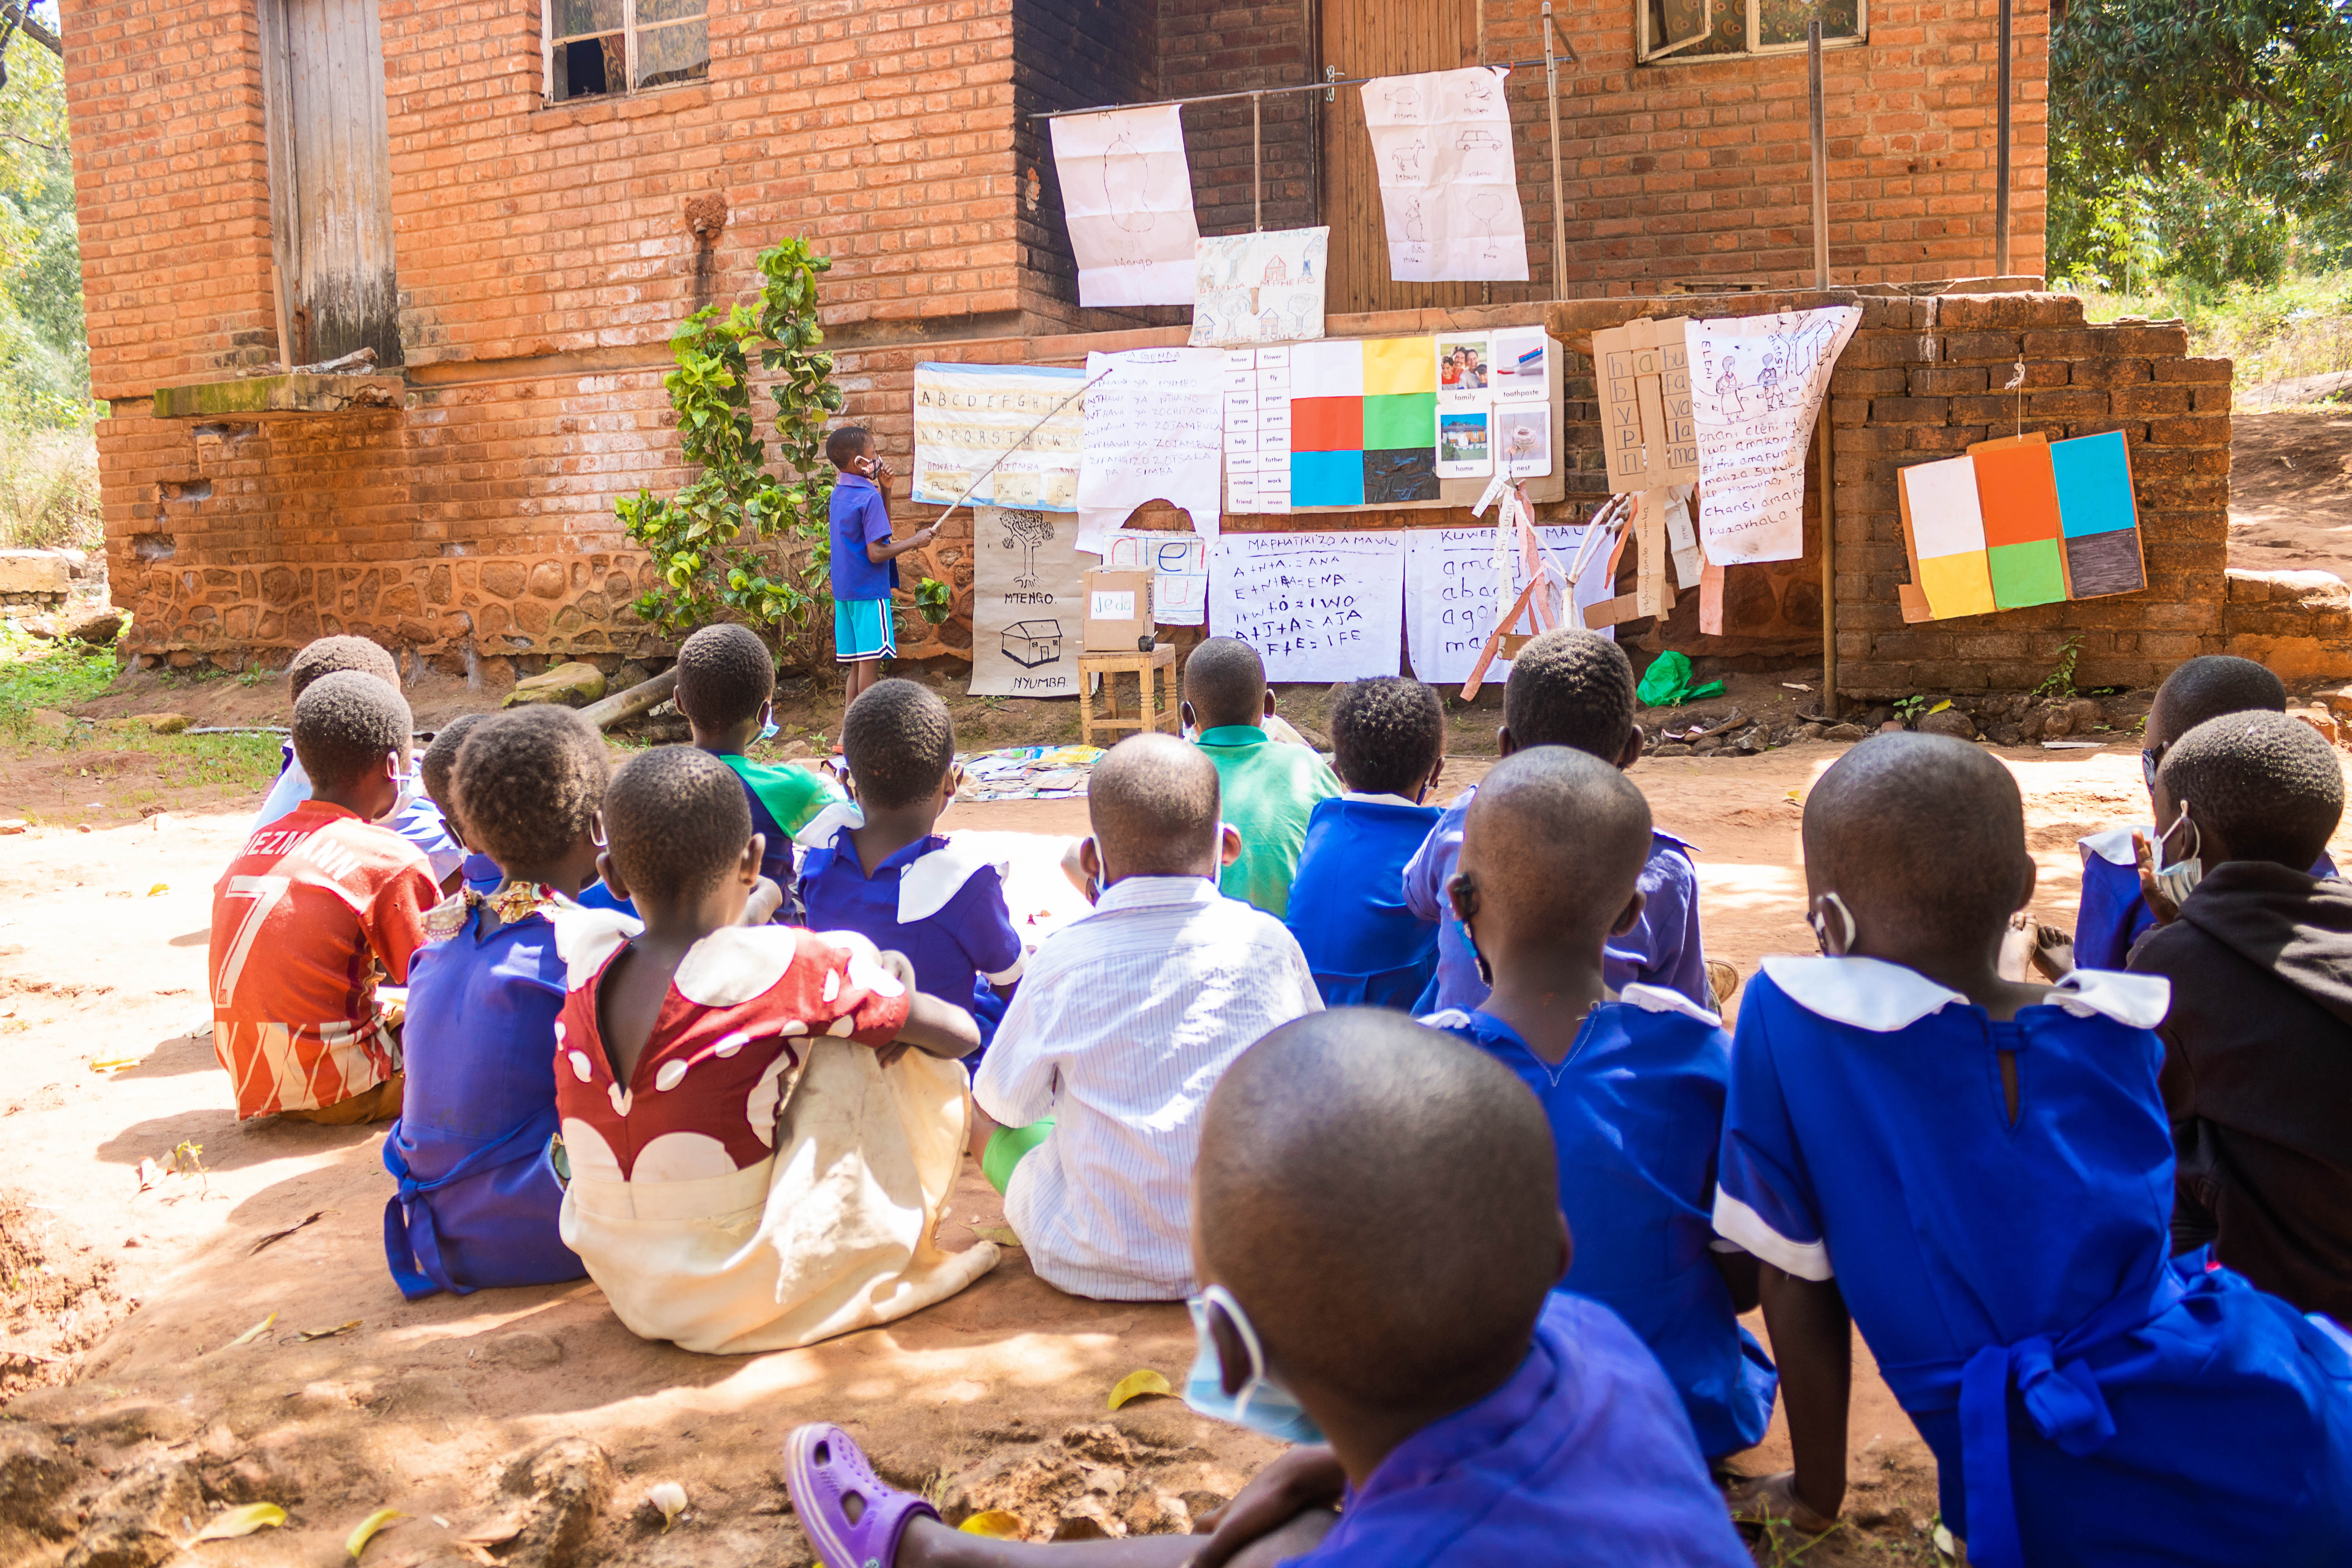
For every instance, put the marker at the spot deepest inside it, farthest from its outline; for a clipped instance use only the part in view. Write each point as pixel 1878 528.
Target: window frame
pixel 630 31
pixel 1674 54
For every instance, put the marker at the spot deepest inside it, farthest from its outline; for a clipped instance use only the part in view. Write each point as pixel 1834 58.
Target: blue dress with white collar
pixel 2089 1398
pixel 1635 1109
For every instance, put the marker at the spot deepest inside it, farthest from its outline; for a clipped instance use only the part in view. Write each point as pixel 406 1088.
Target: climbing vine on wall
pixel 715 541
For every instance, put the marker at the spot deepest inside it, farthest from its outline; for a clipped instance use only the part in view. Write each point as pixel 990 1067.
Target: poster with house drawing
pixel 1028 602
pixel 1757 386
pixel 1259 288
pixel 1126 191
pixel 1449 183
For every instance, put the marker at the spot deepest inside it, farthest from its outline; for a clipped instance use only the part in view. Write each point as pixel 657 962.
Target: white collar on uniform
pixel 1658 999
pixel 585 938
pixel 1871 993
pixel 821 828
pixel 925 884
pixel 1362 799
pixel 2115 846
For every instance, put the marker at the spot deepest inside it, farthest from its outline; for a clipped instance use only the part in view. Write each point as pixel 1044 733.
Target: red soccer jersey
pixel 721 1061
pixel 314 911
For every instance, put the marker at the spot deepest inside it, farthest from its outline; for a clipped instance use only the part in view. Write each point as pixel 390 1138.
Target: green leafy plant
pixel 935 599
pixel 1910 708
pixel 2060 681
pixel 742 541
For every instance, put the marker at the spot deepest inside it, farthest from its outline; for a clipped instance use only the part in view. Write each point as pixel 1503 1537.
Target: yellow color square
pixel 1957 584
pixel 1399 364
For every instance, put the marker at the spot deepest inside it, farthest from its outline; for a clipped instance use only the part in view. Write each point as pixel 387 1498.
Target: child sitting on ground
pixel 1552 852
pixel 435 771
pixel 755 1159
pixel 939 904
pixel 1347 910
pixel 865 558
pixel 726 689
pixel 318 908
pixel 1269 788
pixel 413 816
pixel 1376 1225
pixel 1981 1171
pixel 479 1200
pixel 2112 911
pixel 1091 1095
pixel 2258 1045
pixel 1569 687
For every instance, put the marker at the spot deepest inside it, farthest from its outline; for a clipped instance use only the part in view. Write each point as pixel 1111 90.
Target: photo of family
pixel 1462 370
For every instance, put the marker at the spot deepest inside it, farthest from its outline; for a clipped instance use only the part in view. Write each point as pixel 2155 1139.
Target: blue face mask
pixel 768 730
pixel 1260 1405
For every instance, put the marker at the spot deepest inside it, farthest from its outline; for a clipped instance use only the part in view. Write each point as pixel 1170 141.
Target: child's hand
pixel 1773 1499
pixel 1307 1476
pixel 761 905
pixel 2159 905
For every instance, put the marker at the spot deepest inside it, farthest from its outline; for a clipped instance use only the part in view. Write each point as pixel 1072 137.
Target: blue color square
pixel 2094 484
pixel 1327 478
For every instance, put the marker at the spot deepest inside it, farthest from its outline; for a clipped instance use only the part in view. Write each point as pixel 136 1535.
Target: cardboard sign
pixel 1118 610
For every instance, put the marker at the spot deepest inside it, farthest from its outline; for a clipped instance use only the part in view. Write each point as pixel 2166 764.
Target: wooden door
pixel 331 177
pixel 1379 38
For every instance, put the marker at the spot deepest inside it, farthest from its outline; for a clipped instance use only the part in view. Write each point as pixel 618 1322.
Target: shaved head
pixel 2266 784
pixel 1153 804
pixel 1923 837
pixel 1383 1199
pixel 1225 680
pixel 2207 687
pixel 1554 843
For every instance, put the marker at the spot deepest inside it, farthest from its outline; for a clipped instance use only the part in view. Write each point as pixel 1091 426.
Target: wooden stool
pixel 1111 666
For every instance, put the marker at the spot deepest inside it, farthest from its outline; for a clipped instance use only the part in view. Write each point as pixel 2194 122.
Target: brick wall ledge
pixel 267 396
pixel 2296 624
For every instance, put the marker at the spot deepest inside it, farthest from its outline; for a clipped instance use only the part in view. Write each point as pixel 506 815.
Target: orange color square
pixel 1330 424
pixel 2017 490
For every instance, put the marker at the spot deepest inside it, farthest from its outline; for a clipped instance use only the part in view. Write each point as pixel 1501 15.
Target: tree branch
pixel 28 142
pixel 33 28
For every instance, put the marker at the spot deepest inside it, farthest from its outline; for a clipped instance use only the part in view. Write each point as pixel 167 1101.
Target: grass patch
pixel 35 674
pixel 2297 327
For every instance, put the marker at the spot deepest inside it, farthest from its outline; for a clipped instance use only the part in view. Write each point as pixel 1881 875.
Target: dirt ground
pixel 2291 490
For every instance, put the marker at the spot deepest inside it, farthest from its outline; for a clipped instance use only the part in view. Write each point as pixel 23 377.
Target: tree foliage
pixel 715 540
pixel 44 354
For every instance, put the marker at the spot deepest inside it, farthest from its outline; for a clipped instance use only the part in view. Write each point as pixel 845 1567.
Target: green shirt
pixel 792 795
pixel 1270 788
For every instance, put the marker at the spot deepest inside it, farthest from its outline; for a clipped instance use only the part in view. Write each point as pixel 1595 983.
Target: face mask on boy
pixel 1259 1404
pixel 2180 879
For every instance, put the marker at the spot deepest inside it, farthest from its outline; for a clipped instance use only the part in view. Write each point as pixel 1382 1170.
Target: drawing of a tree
pixel 1027 529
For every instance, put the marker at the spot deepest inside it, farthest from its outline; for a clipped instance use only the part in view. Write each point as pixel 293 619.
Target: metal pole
pixel 1823 459
pixel 1559 228
pixel 1257 162
pixel 2000 176
pixel 1820 158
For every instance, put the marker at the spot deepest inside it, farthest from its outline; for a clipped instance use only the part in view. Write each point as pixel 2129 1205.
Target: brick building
pixel 514 202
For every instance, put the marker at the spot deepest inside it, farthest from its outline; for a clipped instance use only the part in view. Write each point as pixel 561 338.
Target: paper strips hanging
pixel 1363 422
pixel 1756 387
pixel 1126 191
pixel 969 415
pixel 1259 288
pixel 1449 184
pixel 2018 522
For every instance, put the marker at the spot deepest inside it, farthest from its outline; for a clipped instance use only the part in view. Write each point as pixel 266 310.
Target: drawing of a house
pixel 1031 643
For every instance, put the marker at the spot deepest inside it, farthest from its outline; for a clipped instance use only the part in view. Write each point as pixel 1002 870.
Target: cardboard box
pixel 1118 610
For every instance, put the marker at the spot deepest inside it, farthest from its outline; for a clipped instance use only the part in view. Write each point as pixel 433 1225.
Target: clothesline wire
pixel 1256 92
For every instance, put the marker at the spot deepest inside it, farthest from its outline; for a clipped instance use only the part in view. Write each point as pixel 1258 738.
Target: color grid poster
pixel 2021 522
pixel 1363 422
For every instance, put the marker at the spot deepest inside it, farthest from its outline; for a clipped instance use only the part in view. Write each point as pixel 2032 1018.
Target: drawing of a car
pixel 1475 140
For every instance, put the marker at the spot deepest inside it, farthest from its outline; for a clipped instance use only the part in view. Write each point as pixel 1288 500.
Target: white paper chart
pixel 1449 184
pixel 1258 430
pixel 1127 191
pixel 1451 596
pixel 1757 386
pixel 1317 607
pixel 1179 564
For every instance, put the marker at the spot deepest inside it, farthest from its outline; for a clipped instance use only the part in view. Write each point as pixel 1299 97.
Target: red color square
pixel 2017 490
pixel 1326 424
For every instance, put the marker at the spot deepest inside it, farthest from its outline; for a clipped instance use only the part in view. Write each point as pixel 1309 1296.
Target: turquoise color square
pixel 1327 478
pixel 2034 573
pixel 2094 486
pixel 1400 419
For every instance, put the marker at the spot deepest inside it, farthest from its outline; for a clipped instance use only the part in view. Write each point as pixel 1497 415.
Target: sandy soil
pixel 2291 491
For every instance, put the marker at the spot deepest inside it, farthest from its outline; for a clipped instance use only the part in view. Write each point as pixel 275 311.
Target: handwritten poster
pixel 1126 191
pixel 1757 386
pixel 1154 431
pixel 1452 594
pixel 969 415
pixel 1259 288
pixel 1449 184
pixel 1317 607
pixel 1028 605
pixel 1179 564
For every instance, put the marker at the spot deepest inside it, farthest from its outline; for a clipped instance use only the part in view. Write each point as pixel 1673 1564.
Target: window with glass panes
pixel 1687 29
pixel 598 46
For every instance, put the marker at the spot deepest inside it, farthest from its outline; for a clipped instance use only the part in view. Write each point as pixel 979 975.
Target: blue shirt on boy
pixel 479 1201
pixel 1581 1456
pixel 939 903
pixel 1635 1109
pixel 1347 909
pixel 2111 912
pixel 1663 948
pixel 2163 1411
pixel 859 517
pixel 413 816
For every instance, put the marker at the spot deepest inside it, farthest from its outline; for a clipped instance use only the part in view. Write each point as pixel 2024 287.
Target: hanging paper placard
pixel 1757 386
pixel 1126 191
pixel 1259 288
pixel 1449 184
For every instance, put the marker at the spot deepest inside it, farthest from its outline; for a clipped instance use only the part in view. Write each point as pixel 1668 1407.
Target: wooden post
pixel 285 334
pixel 1558 224
pixel 2001 175
pixel 1258 165
pixel 1821 157
pixel 1823 459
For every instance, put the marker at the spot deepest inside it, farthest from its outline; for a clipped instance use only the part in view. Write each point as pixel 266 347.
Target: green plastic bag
pixel 1667 682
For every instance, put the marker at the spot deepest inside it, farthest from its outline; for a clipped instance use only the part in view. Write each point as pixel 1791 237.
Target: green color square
pixel 2034 573
pixel 1400 419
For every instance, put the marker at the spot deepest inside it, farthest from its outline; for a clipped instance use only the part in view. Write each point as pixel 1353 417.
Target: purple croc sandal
pixel 824 1469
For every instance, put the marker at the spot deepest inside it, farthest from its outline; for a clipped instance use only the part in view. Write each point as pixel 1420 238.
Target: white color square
pixel 1333 369
pixel 1947 518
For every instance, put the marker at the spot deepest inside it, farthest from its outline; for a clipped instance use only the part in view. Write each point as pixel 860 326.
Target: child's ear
pixel 1503 745
pixel 1268 710
pixel 950 785
pixel 1437 770
pixel 749 868
pixel 1632 750
pixel 1631 915
pixel 2032 877
pixel 1184 716
pixel 1229 845
pixel 612 875
pixel 1233 1354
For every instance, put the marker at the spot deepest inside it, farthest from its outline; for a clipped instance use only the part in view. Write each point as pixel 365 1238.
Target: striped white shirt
pixel 1122 1025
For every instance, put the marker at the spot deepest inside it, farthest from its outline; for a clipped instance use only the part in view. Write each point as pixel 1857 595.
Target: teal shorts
pixel 863 629
pixel 1006 1146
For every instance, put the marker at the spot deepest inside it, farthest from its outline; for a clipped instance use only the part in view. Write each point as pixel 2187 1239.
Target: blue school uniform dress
pixel 413 816
pixel 2112 913
pixel 1663 948
pixel 940 902
pixel 1636 1107
pixel 482 874
pixel 479 1202
pixel 1582 1456
pixel 1346 902
pixel 2089 1399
